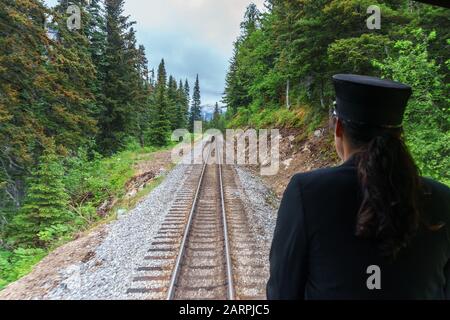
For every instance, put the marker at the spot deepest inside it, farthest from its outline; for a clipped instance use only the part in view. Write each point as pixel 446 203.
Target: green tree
pixel 119 120
pixel 45 215
pixel 355 55
pixel 182 107
pixel 427 119
pixel 187 91
pixel 215 121
pixel 96 33
pixel 142 98
pixel 173 104
pixel 196 109
pixel 240 76
pixel 160 126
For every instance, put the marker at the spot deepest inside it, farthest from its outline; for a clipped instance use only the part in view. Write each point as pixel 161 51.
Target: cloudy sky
pixel 193 36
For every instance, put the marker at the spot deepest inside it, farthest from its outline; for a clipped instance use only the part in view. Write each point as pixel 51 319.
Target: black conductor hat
pixel 371 101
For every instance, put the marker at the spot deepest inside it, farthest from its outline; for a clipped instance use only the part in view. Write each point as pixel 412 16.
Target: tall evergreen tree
pixel 143 65
pixel 142 98
pixel 95 24
pixel 187 95
pixel 183 106
pixel 160 126
pixel 217 112
pixel 251 20
pixel 45 214
pixel 152 80
pixel 173 107
pixel 196 109
pixel 181 88
pixel 187 90
pixel 215 122
pixel 240 75
pixel 119 119
pixel 236 94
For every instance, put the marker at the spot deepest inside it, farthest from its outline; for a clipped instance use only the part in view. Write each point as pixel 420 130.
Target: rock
pixel 121 213
pixel 318 133
pixel 307 149
pixel 287 163
pixel 72 281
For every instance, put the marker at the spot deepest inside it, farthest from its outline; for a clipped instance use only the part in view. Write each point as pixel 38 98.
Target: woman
pixel 371 228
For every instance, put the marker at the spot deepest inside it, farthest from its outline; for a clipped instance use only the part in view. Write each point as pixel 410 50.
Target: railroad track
pixel 205 248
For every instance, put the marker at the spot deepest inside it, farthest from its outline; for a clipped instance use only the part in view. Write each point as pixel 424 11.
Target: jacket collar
pixel 351 162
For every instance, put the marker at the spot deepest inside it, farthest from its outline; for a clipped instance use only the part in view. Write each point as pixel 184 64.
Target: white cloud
pixel 212 21
pixel 194 36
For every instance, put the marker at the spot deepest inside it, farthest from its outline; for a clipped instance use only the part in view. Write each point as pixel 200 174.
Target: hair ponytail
pixel 390 184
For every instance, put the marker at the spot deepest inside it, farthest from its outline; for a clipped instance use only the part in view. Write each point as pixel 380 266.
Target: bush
pixel 302 117
pixel 92 182
pixel 46 204
pixel 18 263
pixel 427 119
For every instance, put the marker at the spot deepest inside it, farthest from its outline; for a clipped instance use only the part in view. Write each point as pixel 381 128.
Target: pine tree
pixel 216 115
pixel 78 77
pixel 241 75
pixel 183 106
pixel 181 91
pixel 96 33
pixel 236 94
pixel 142 97
pixel 187 91
pixel 251 20
pixel 152 80
pixel 143 65
pixel 93 30
pixel 196 111
pixel 160 126
pixel 44 216
pixel 119 120
pixel 173 107
pixel 187 100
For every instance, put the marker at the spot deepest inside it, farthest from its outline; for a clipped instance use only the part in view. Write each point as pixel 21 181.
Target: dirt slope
pixel 301 156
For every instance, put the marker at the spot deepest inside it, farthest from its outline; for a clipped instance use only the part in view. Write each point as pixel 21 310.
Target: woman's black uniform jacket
pixel 315 254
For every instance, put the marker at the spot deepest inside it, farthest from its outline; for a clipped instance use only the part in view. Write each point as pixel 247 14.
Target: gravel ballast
pixel 261 206
pixel 110 273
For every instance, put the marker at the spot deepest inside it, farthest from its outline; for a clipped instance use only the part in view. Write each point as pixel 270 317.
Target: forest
pixel 75 108
pixel 280 73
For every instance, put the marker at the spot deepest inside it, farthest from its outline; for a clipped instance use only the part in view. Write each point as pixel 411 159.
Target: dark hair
pixel 391 187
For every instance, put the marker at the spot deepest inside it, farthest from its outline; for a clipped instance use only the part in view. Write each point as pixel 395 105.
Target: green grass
pixel 300 117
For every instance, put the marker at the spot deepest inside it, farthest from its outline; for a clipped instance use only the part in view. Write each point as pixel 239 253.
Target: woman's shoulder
pixel 436 190
pixel 437 200
pixel 325 177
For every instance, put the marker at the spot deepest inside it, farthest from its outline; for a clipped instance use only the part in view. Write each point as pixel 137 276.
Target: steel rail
pixel 176 272
pixel 231 292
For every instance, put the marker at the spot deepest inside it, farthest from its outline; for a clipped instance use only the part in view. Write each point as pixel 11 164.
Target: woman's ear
pixel 339 138
pixel 339 129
